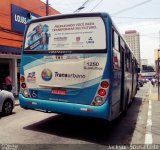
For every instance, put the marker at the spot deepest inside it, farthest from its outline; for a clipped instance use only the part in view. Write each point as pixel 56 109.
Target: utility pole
pixel 47 7
pixel 158 67
pixel 158 73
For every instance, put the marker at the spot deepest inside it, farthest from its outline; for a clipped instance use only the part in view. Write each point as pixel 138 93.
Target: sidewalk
pixel 155 115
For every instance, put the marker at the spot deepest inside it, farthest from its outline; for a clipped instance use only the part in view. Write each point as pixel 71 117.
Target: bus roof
pixel 62 16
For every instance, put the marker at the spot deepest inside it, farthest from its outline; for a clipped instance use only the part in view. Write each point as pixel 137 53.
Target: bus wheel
pixel 124 113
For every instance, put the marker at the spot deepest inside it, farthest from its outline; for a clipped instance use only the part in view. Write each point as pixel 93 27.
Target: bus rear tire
pixel 124 113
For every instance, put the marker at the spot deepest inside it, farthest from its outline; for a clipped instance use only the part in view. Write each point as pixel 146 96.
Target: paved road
pixel 34 127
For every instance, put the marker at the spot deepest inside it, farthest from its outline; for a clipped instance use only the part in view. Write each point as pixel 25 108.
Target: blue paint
pixel 19 18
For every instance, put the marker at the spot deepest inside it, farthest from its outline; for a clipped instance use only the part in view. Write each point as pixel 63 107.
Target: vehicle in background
pixel 148 75
pixel 144 80
pixel 140 80
pixel 141 83
pixel 7 102
pixel 147 80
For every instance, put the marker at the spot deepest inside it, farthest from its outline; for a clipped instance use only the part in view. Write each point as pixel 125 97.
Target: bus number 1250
pixel 93 64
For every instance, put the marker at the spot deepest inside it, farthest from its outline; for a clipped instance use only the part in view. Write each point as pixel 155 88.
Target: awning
pixel 10 50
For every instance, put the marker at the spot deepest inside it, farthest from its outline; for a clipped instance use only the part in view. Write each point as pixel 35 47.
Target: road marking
pixel 148 139
pixel 149 113
pixel 149 122
pixel 148 135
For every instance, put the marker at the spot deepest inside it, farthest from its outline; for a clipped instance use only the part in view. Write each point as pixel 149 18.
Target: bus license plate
pixel 59 91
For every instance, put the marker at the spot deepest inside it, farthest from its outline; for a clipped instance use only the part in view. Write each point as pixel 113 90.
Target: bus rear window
pixel 83 33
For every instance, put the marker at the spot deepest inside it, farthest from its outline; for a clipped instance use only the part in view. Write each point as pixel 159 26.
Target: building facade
pixel 156 56
pixel 13 17
pixel 133 39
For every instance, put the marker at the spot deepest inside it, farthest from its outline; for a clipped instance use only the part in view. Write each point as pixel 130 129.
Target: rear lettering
pixel 66 75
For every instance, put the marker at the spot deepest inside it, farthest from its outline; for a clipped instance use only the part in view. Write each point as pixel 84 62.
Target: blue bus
pixel 77 64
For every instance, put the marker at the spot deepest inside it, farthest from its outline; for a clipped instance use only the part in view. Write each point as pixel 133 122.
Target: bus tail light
pixel 101 93
pixel 22 79
pixel 98 99
pixel 23 85
pixel 104 84
pixel 25 91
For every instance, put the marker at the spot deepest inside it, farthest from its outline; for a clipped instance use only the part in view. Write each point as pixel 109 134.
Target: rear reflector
pixel 86 109
pixel 29 103
pixel 32 103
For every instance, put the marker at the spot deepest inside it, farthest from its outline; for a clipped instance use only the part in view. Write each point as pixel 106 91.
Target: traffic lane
pixel 90 130
pixel 11 127
pixel 34 127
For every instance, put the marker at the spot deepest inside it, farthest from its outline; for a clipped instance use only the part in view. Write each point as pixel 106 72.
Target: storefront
pixel 13 17
pixel 10 63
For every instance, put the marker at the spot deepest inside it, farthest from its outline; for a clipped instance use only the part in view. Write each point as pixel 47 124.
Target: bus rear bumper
pixel 101 112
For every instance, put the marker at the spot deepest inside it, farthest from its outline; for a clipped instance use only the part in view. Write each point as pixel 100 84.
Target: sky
pixel 140 15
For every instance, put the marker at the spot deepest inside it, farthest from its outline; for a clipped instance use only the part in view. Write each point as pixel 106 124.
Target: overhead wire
pixel 71 5
pixel 95 6
pixel 132 7
pixel 75 4
pixel 136 18
pixel 82 6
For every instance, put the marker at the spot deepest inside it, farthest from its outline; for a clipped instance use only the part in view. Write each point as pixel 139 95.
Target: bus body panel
pixel 72 77
pixel 123 78
pixel 75 90
pixel 115 75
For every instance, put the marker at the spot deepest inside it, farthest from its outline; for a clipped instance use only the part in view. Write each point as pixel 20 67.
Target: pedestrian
pixel 8 82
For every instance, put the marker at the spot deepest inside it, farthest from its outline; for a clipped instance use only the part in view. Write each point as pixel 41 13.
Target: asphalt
pixel 155 114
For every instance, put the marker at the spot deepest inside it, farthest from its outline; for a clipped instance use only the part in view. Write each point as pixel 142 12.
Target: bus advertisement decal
pixel 68 34
pixel 31 77
pixel 38 38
